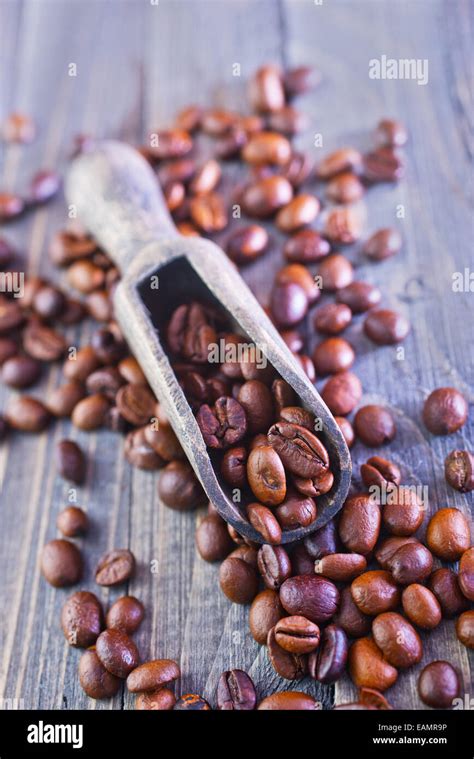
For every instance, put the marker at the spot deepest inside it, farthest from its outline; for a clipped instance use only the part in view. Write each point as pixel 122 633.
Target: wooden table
pixel 137 63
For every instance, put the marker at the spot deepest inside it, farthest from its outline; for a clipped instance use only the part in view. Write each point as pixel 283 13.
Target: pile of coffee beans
pixel 352 597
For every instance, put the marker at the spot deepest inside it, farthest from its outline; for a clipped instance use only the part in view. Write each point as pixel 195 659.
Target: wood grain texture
pixel 136 65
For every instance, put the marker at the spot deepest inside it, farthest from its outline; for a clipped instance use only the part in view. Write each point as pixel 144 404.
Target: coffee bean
pixel 236 691
pixel 438 685
pixel 350 618
pixel 61 563
pixel 288 120
pixel 341 567
pixel 164 441
pixel 179 488
pixel 72 521
pixel 152 675
pixel 266 89
pixel 234 466
pixel 410 563
pixel 345 188
pixel 296 511
pixel 20 371
pixel 266 475
pixel 43 343
pixel 466 574
pixel 264 521
pixel 27 414
pixel 105 380
pixel 368 667
pixel 131 372
pixel 274 565
pixel 301 276
pixel 71 461
pixel 448 534
pixel 359 524
pixel 322 542
pixel 391 133
pixel 445 411
pixel 82 619
pixel 69 245
pixel 359 296
pixel 404 512
pixel 300 451
pixel 209 212
pixel 266 196
pixel 444 584
pixel 81 365
pixel 189 118
pixel 374 425
pixel 298 415
pixel 459 470
pixel 138 451
pixel 343 225
pixel 283 394
pixel 297 635
pixel 206 178
pixel 85 277
pixel 380 473
pixel 99 306
pixel 222 425
pixel 256 400
pixel 327 664
pixel 267 148
pixel 305 247
pixel 289 304
pixel 312 597
pixel 421 606
pixel 347 430
pixel 238 580
pixel 397 639
pixel 465 629
pixel 247 244
pixel 288 701
pixel 117 653
pixel 65 397
pixel 95 680
pixel 115 567
pixel 126 614
pixel 212 539
pixel 385 550
pixel 342 393
pixel 386 327
pixel 90 412
pixel 383 165
pixel 333 355
pixel 383 244
pixel 301 561
pixel 290 666
pixel 265 612
pixel 336 272
pixel 191 702
pixel 169 143
pixel 299 212
pixel 108 344
pixel 332 318
pixel 160 700
pixel 375 592
pixel 344 159
pixel 136 404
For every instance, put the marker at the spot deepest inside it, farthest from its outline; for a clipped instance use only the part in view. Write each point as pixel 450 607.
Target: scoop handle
pixel 116 195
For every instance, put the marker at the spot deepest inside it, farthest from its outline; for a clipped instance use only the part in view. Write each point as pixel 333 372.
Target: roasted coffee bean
pixel 64 398
pixel 8 349
pixel 217 121
pixel 336 271
pixel 108 344
pixel 397 639
pixel 383 244
pixel 189 118
pixel 169 143
pixel 288 120
pixel 222 425
pixel 49 302
pixel 179 488
pixel 347 430
pixel 247 244
pixel 267 148
pixel 189 333
pixel 69 245
pixel 95 680
pixel 375 592
pixel 126 614
pixel 322 542
pixel 160 700
pixel 164 441
pixel 444 584
pixel 43 343
pixel 274 565
pixel 234 467
pixel 82 619
pixel 301 561
pixel 117 652
pixel 71 461
pixel 466 574
pixel 266 89
pixel 465 629
pixel 289 303
pixel 301 451
pixel 459 470
pixel 209 212
pixel 138 451
pixel 72 521
pixel 81 364
pixel 368 667
pixel 131 372
pixel 290 666
pixel 20 371
pixel 136 404
pixel 341 567
pixel 349 616
pixel 380 473
pixel 445 411
pixel 283 394
pixel 99 306
pixel 257 402
pixel 345 188
pixel 266 475
pixel 106 380
pixel 238 580
pixel 297 635
pixel 301 276
pixel 386 327
pixel 332 318
pixel 85 276
pixel 191 702
pixel 343 225
pixel 448 534
pixel 287 700
pixel 27 414
pixel 313 486
pixel 266 196
pixel 265 611
pixel 298 415
pixel 438 685
pixel 305 247
pixel 410 563
pixel 61 563
pixel 312 597
pixel 11 206
pixel 212 538
pixel 328 663
pixel 421 606
pixel 374 425
pixel 152 675
pixel 115 567
pixel 388 547
pixel 359 296
pixel 403 512
pixel 231 143
pixel 359 524
pixel 383 165
pixel 265 522
pixel 236 691
pixel 90 412
pixel 344 159
pixel 296 511
pixel 256 368
pixel 391 133
pixel 11 315
pixel 206 178
pixel 333 355
pixel 299 212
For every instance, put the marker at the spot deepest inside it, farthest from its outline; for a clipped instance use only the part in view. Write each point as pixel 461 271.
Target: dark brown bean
pixel 374 425
pixel 8 349
pixel 465 629
pixel 388 547
pixel 336 271
pixel 117 652
pixel 359 524
pixel 297 635
pixel 448 534
pixel 236 691
pixel 368 667
pixel 404 512
pixel 343 225
pixel 296 511
pixel 71 461
pixel 380 472
pixel 43 343
pixel 349 616
pixel 81 364
pixel 383 244
pixel 137 449
pixel 344 159
pixel 345 188
pixel 301 451
pixel 322 542
pixel 115 567
pixel 265 612
pixel 265 522
pixel 290 666
pixel 126 614
pixel 64 398
pixel 266 89
pixel 179 488
pixel 287 700
pixel 383 165
pixel 222 425
pixel 375 592
pixel 213 541
pixel 161 437
pixel 305 247
pixel 20 371
pixel 95 680
pixel 445 411
pixel 61 563
pixel 72 521
pixel 274 565
pixel 397 639
pixel 234 466
pixel 238 580
pixel 328 663
pixel 247 244
pixel 266 475
pixel 82 619
pixel 421 606
pixel 332 318
pixel 299 212
pixel 341 567
pixel 410 563
pixel 438 685
pixel 90 412
pixel 289 303
pixel 160 700
pixel 333 355
pixel 347 430
pixel 209 212
pixel 466 574
pixel 266 196
pixel 312 597
pixel 359 296
pixel 459 470
pixel 386 327
pixel 152 675
pixel 444 584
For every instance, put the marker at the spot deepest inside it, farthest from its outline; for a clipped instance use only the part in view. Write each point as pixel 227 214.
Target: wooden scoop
pixel 117 197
